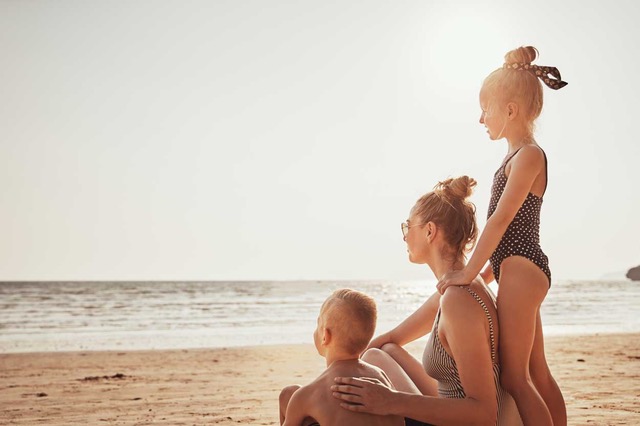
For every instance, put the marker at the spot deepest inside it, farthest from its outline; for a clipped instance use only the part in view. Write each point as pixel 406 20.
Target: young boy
pixel 346 324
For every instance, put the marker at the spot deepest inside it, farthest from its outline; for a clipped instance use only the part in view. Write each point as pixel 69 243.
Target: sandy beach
pixel 599 376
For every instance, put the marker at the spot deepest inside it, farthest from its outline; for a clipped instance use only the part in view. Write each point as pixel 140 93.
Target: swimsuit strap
pixel 504 163
pixel 486 312
pixel 436 321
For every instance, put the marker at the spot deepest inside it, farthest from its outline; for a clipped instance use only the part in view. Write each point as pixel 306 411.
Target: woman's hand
pixel 379 341
pixel 363 394
pixel 459 277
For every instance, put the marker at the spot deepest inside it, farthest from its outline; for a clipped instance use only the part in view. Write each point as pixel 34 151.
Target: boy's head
pixel 346 322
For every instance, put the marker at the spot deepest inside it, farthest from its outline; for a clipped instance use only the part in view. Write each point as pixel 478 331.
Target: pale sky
pixel 267 140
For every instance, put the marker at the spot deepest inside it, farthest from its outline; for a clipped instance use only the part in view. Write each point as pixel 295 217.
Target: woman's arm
pixel 487 274
pixel 467 336
pixel 525 167
pixel 415 326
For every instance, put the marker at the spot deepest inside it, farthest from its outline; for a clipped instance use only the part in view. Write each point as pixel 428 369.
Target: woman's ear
pixel 430 231
pixel 512 110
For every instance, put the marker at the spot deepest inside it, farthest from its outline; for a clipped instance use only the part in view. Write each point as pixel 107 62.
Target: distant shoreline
pixel 84 316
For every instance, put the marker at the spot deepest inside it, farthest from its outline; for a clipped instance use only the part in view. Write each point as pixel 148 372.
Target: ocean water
pixel 69 316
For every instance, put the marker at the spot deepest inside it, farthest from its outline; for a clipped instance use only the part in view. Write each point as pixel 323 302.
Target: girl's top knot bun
pixel 521 55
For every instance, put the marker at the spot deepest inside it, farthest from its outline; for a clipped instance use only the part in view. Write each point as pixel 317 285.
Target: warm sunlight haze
pixel 240 140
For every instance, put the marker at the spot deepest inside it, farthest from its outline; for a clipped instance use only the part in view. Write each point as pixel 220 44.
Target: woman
pixel 459 379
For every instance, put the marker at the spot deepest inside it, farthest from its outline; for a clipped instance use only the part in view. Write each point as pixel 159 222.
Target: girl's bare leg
pixel 544 381
pixel 523 287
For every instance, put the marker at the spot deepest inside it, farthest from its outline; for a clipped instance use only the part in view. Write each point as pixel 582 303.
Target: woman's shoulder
pixel 462 302
pixel 456 298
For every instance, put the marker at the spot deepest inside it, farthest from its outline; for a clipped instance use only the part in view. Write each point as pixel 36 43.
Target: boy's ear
pixel 326 336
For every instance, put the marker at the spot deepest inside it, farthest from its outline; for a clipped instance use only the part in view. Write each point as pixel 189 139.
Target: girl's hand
pixel 453 278
pixel 363 394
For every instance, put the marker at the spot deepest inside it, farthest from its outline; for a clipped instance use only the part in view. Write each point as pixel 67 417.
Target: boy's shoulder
pixel 316 399
pixel 310 390
pixel 318 388
pixel 357 368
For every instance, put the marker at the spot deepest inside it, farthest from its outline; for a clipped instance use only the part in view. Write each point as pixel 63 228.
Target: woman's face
pixel 415 239
pixel 493 120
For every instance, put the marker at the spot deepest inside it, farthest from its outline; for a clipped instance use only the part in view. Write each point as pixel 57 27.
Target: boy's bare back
pixel 316 400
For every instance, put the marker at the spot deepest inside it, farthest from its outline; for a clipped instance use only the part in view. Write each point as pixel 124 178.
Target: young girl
pixel 511 99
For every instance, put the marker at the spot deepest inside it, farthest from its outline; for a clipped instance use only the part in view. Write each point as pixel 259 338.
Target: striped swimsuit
pixel 442 367
pixel 522 237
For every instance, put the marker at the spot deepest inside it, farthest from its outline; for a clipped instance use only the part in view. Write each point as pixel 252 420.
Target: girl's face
pixel 494 121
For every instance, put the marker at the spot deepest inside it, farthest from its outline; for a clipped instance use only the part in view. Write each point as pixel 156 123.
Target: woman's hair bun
pixel 521 55
pixel 456 189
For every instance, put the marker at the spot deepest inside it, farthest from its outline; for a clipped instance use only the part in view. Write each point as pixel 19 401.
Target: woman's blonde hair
pixel 447 206
pixel 523 88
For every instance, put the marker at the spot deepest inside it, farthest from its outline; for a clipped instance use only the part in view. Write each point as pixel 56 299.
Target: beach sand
pixel 599 376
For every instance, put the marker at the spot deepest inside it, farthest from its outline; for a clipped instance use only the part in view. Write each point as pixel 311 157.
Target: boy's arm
pixel 297 409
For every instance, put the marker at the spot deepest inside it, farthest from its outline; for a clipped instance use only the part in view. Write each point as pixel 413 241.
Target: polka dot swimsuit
pixel 522 237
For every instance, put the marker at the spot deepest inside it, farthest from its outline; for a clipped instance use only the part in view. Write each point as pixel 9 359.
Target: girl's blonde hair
pixel 524 88
pixel 447 206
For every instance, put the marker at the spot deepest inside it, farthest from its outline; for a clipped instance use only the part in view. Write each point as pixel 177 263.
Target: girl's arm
pixel 415 326
pixel 525 167
pixel 468 339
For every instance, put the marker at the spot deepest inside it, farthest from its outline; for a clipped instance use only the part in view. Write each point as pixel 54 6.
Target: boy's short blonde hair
pixel 351 316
